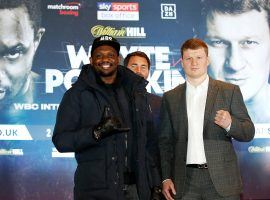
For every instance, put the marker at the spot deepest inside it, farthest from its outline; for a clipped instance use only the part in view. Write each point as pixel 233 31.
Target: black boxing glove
pixel 108 125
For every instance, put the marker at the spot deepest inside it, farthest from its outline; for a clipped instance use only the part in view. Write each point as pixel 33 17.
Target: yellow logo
pixel 123 32
pixel 99 30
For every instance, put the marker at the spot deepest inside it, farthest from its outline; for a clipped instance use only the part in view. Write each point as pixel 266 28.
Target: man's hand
pixel 108 125
pixel 223 119
pixel 168 189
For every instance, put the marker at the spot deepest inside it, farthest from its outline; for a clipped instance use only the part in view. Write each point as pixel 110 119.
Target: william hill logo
pixel 123 32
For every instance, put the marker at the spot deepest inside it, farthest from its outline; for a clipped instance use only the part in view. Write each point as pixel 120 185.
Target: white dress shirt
pixel 196 100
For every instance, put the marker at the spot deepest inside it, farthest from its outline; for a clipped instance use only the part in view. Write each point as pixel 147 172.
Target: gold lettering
pixel 99 30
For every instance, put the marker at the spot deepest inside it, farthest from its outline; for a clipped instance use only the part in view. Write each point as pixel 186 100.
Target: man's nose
pixel 194 62
pixel 235 61
pixel 105 58
pixel 138 69
pixel 3 76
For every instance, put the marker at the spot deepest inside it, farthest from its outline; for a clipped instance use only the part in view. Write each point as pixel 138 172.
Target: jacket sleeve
pixel 68 135
pixel 242 128
pixel 165 140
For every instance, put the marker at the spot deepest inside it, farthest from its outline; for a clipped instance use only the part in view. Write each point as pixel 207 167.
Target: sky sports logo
pixel 118 11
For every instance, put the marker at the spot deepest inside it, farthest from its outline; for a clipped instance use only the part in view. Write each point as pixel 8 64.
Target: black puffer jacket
pixel 99 172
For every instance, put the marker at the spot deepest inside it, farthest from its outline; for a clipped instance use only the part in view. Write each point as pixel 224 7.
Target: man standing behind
pixel 198 121
pixel 103 119
pixel 139 63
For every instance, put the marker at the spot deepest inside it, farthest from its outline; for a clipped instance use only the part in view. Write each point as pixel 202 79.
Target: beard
pixel 105 74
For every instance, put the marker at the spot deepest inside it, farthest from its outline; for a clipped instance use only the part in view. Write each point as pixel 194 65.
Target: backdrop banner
pixel 30 166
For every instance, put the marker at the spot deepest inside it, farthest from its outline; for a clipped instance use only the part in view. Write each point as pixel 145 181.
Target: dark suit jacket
pixel 152 142
pixel 220 155
pixel 155 103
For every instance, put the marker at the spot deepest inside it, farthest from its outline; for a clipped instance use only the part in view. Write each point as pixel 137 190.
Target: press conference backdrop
pixel 30 166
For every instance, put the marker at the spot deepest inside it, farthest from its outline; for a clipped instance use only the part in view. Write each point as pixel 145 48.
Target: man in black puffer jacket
pixel 104 118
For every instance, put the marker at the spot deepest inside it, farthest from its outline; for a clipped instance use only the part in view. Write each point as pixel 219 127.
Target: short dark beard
pixel 101 74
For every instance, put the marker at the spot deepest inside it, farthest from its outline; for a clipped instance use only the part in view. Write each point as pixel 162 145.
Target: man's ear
pixel 90 59
pixel 38 37
pixel 119 59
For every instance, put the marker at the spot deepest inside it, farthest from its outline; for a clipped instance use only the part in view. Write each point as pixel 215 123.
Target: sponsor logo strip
pixel 71 8
pixel 57 154
pixel 123 32
pixel 14 132
pixel 118 11
pixel 11 152
pixel 168 11
pixel 262 131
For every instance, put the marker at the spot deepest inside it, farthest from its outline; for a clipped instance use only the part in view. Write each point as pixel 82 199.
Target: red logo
pixel 125 7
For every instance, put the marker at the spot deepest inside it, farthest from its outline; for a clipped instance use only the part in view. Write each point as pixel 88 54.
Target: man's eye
pixel 111 55
pixel 249 44
pixel 217 43
pixel 143 67
pixel 14 54
pixel 97 56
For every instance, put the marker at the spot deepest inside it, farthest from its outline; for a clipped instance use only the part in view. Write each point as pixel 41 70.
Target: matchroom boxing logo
pixel 71 8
